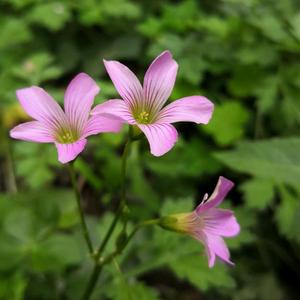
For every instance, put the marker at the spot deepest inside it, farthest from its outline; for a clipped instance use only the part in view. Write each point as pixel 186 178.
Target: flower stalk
pixel 122 206
pixel 101 262
pixel 122 203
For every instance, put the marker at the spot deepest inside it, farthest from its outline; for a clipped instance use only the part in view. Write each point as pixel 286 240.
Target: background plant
pixel 244 55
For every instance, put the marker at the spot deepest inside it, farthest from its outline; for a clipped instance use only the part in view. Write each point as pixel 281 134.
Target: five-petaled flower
pixel 67 129
pixel 207 223
pixel 142 106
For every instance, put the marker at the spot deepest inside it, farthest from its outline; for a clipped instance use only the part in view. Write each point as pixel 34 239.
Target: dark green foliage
pixel 244 55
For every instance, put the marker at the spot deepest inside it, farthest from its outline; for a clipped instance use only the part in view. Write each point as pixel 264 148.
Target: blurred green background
pixel 243 55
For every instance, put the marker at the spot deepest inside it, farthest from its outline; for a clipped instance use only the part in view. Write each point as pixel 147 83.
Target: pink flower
pixel 67 129
pixel 208 224
pixel 143 106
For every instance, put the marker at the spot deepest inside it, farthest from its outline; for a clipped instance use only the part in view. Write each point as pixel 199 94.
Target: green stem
pixel 129 238
pixel 137 228
pixel 81 214
pixel 98 268
pixel 99 265
pixel 123 171
pixel 92 282
pixel 122 203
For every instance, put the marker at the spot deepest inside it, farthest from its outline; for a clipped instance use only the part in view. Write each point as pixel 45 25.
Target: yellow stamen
pixel 66 136
pixel 143 117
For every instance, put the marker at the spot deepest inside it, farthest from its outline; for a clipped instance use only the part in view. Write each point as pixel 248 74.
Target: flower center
pixel 66 136
pixel 143 117
pixel 189 222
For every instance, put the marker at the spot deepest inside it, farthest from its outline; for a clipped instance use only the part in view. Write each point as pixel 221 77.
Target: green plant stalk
pixel 129 238
pixel 81 213
pixel 98 267
pixel 99 264
pixel 122 203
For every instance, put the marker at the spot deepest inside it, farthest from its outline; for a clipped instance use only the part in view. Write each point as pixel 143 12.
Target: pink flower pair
pixel 141 107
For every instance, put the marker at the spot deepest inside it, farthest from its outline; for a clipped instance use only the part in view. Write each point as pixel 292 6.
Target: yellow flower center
pixel 143 117
pixel 66 136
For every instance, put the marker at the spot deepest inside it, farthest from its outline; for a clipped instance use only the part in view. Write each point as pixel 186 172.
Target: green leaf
pixel 265 53
pixel 51 15
pixel 192 61
pixel 13 287
pixel 34 161
pixel 264 286
pixel 258 193
pixel 267 94
pixel 275 159
pixel 242 84
pixel 194 268
pixel 56 252
pixel 271 26
pixel 288 214
pixel 19 223
pixel 93 12
pixel 11 253
pixel 181 16
pixel 295 22
pixel 195 154
pixel 117 50
pixel 151 27
pixel 133 290
pixel 177 206
pixel 15 28
pixel 37 68
pixel 215 25
pixel 228 123
pixel 290 107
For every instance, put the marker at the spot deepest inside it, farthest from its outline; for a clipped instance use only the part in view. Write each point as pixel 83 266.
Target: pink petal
pixel 161 137
pixel 68 152
pixel 42 107
pixel 33 131
pixel 196 109
pixel 222 188
pixel 79 98
pixel 159 80
pixel 215 245
pixel 220 222
pixel 117 108
pixel 201 236
pixel 102 123
pixel 126 83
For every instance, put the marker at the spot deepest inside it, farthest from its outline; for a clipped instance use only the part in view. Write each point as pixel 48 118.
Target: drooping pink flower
pixel 142 106
pixel 67 129
pixel 207 223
